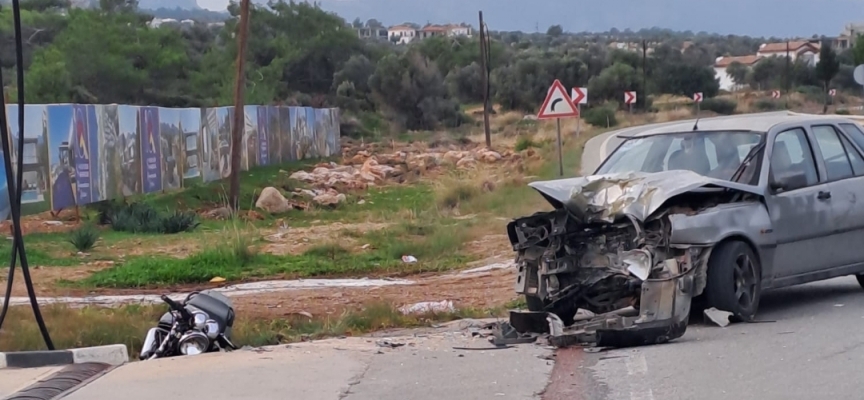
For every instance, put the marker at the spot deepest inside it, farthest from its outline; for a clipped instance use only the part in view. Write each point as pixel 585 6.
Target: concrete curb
pixel 115 354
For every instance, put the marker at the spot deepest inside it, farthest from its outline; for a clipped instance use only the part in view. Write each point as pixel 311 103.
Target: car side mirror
pixel 788 181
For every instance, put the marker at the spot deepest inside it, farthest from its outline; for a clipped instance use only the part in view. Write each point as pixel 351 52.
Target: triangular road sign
pixel 557 104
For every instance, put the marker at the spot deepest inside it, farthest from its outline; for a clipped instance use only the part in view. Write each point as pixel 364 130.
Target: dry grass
pixel 94 326
pixel 460 186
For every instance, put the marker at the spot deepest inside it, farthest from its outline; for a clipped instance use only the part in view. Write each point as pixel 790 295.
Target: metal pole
pixel 239 116
pixel 579 120
pixel 560 150
pixel 644 71
pixel 788 77
pixel 484 54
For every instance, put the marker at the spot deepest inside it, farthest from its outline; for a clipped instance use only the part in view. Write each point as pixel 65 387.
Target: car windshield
pixel 715 154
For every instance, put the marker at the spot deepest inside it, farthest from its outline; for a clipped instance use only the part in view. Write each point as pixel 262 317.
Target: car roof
pixel 761 122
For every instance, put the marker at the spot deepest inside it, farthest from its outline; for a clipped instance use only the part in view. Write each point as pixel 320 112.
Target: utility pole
pixel 484 64
pixel 239 125
pixel 644 70
pixel 788 75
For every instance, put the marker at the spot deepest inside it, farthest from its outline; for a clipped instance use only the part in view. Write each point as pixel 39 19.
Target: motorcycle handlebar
pixel 176 307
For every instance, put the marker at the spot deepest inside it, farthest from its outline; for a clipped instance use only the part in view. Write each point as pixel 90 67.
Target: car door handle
pixel 823 195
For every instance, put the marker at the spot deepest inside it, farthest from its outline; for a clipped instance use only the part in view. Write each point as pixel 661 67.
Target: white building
pixel 722 63
pixel 401 34
pixel 806 51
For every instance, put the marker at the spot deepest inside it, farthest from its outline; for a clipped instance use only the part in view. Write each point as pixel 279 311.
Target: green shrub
pixel 719 106
pixel 525 142
pixel 84 238
pixel 600 116
pixel 842 112
pixel 180 221
pixel 143 218
pixel 767 105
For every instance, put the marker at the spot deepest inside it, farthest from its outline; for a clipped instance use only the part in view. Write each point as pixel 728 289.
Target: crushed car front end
pixel 603 264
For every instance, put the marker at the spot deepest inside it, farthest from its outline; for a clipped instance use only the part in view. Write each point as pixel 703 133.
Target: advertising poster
pixel 81 154
pixel 96 191
pixel 335 129
pixel 285 152
pixel 60 157
pixel 191 158
pixel 311 147
pixel 263 125
pixel 130 158
pixel 110 154
pixel 226 118
pixel 35 197
pixel 76 154
pixel 298 121
pixel 249 156
pixel 169 135
pixel 151 158
pixel 274 138
pixel 321 121
pixel 209 140
pixel 5 201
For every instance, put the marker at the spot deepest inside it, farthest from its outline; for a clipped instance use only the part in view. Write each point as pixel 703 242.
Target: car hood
pixel 637 194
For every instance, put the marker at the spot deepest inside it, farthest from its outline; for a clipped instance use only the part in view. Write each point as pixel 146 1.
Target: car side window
pixel 791 155
pixel 854 132
pixel 854 156
pixel 836 160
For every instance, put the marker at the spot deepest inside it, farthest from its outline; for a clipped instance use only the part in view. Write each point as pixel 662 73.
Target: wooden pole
pixel 239 125
pixel 484 58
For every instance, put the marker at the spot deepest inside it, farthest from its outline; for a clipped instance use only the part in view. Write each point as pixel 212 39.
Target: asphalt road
pixel 809 345
pixel 423 368
pixel 813 349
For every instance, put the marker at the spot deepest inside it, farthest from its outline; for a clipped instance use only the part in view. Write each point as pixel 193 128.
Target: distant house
pixel 373 33
pixel 433 30
pixel 797 50
pixel 846 39
pixel 722 63
pixel 459 30
pixel 402 34
pixel 633 46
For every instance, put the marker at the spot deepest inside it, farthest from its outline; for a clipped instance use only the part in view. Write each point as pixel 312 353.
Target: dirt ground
pixel 482 290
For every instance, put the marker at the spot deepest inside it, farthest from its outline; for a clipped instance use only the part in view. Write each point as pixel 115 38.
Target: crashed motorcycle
pixel 202 323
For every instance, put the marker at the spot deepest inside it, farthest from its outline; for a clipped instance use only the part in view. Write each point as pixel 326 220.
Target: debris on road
pixel 718 317
pixel 443 306
pixel 388 343
pixel 506 334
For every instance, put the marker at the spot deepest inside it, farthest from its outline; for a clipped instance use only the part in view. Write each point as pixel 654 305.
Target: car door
pixel 801 215
pixel 844 166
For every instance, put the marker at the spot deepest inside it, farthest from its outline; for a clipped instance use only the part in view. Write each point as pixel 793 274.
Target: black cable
pixel 16 187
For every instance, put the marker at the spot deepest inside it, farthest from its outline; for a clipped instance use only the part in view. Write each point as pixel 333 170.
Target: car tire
pixel 734 280
pixel 860 279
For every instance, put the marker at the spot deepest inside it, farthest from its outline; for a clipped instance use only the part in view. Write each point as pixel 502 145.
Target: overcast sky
pixel 780 18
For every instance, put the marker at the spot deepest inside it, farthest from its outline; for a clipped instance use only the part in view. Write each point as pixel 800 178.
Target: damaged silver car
pixel 686 211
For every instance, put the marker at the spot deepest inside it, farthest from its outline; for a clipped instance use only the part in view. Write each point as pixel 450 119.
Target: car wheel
pixel 734 280
pixel 860 279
